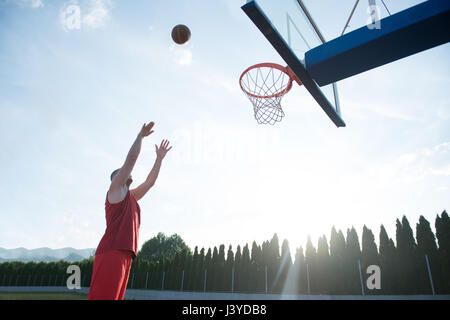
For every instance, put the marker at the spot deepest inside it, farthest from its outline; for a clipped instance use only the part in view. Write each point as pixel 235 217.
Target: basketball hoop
pixel 265 84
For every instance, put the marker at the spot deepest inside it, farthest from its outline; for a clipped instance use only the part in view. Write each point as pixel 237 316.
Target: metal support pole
pixel 232 279
pixel 162 282
pixel 204 282
pixel 349 18
pixel 429 274
pixel 265 271
pixel 182 280
pixel 146 281
pixel 361 277
pixel 132 280
pixel 307 278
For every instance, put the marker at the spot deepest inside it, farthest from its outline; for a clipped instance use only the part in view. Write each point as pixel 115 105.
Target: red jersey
pixel 123 220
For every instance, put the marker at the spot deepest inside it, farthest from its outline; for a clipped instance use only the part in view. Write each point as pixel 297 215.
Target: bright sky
pixel 72 101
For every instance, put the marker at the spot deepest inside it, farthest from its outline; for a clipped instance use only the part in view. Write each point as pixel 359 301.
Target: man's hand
pixel 162 150
pixel 146 130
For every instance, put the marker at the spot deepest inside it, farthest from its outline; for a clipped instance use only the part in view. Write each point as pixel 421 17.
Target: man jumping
pixel 118 246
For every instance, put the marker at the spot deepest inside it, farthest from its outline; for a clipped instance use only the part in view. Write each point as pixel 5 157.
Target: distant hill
pixel 45 254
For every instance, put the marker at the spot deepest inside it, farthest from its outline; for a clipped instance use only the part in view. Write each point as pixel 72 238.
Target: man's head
pixel 129 180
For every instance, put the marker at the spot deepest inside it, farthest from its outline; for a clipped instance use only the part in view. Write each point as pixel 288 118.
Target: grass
pixel 42 296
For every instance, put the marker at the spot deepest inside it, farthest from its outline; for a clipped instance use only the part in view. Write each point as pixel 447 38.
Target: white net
pixel 265 85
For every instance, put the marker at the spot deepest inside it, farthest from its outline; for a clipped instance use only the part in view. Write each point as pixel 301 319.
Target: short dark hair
pixel 114 173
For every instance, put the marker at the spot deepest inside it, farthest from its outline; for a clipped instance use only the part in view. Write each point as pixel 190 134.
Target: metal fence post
pixel 132 280
pixel 265 270
pixel 307 278
pixel 429 274
pixel 361 277
pixel 162 285
pixel 232 279
pixel 146 281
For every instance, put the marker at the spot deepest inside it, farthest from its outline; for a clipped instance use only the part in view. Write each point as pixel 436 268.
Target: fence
pixel 260 280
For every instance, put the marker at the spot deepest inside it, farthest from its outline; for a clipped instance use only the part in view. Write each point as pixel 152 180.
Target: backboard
pixel 291 30
pixel 318 64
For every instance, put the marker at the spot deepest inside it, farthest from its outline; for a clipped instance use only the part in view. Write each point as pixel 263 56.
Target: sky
pixel 75 93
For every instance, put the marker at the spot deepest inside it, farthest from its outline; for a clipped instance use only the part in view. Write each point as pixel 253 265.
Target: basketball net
pixel 265 84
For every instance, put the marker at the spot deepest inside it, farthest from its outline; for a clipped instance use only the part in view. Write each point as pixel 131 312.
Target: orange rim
pixel 286 70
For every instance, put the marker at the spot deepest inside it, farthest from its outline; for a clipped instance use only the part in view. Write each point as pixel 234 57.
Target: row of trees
pixel 329 268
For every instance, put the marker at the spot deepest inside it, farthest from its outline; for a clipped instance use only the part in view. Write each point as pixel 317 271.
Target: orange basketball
pixel 181 34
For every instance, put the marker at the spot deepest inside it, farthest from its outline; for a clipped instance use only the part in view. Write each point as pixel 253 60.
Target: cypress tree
pixel 369 256
pixel 193 271
pixel 323 266
pixel 237 268
pixel 256 266
pixel 228 269
pixel 352 255
pixel 274 261
pixel 265 253
pixel 213 272
pixel 256 257
pixel 337 253
pixel 406 249
pixel 265 250
pixel 388 265
pixel 284 268
pixel 426 245
pixel 442 225
pixel 208 267
pixel 245 269
pixel 310 260
pixel 300 269
pixel 199 281
pixel 220 272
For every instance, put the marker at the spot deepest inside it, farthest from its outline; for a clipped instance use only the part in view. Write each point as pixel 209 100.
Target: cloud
pixel 98 13
pixel 26 3
pixel 182 57
pixel 36 3
pixel 419 165
pixel 89 13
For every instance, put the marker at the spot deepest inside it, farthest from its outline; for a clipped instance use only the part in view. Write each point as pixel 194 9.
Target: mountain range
pixel 45 254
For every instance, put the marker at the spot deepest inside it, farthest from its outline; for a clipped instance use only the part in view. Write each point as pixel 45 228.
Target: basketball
pixel 181 34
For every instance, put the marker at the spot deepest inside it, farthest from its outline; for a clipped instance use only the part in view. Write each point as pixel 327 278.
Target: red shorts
pixel 110 275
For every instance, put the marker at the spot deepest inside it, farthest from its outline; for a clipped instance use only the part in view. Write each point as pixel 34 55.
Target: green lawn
pixel 42 296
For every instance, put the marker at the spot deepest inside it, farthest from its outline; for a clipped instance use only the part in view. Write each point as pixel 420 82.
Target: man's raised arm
pixel 121 177
pixel 161 152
